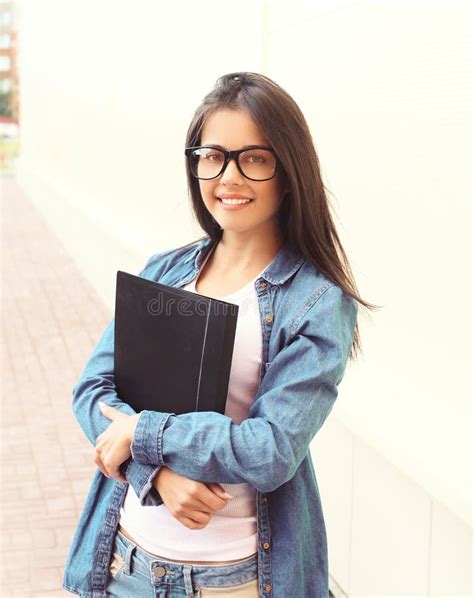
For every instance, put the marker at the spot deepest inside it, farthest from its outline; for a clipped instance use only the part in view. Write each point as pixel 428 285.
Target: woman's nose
pixel 231 172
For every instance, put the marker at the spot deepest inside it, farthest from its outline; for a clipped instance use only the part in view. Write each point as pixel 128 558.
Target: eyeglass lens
pixel 258 164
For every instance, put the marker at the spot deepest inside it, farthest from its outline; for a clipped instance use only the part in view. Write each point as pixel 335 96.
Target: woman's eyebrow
pixel 223 148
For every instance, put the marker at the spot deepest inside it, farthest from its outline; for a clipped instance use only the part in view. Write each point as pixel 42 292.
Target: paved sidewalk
pixel 52 320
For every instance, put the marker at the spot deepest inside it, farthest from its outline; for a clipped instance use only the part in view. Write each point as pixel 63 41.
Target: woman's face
pixel 234 129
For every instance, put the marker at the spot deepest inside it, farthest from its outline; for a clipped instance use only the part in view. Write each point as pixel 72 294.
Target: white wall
pixel 385 88
pixel 108 89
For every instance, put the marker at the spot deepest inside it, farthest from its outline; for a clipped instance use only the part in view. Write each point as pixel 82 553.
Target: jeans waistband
pixel 162 571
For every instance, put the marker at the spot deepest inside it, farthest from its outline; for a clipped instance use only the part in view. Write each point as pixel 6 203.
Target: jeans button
pixel 159 571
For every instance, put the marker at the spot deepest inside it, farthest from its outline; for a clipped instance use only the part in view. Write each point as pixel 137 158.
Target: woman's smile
pixel 231 204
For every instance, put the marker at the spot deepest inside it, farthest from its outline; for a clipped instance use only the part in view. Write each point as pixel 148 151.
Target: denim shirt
pixel 307 331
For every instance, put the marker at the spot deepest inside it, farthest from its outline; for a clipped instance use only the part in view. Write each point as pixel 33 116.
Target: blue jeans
pixel 135 572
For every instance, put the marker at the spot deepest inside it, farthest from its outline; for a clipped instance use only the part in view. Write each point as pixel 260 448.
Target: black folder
pixel 172 348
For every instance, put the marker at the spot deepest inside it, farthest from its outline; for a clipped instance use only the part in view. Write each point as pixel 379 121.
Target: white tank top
pixel 232 531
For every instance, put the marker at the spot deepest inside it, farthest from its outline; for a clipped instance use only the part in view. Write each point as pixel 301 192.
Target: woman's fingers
pixel 117 474
pixel 109 470
pixel 207 498
pixel 114 471
pixel 98 461
pixel 204 500
pixel 186 521
pixel 210 498
pixel 195 519
pixel 192 503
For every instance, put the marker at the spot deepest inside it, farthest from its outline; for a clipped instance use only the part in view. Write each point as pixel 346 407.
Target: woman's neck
pixel 240 252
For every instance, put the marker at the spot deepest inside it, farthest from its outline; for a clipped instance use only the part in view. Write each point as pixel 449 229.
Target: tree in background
pixel 5 104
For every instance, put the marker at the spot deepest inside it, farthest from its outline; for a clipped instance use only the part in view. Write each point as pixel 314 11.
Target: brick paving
pixel 52 320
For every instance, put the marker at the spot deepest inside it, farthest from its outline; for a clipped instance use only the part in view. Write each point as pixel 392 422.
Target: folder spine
pixel 218 358
pixel 203 348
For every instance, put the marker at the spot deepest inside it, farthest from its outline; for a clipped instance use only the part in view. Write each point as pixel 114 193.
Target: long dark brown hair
pixel 305 211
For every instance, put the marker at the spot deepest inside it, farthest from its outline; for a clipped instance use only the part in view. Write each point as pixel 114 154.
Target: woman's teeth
pixel 234 201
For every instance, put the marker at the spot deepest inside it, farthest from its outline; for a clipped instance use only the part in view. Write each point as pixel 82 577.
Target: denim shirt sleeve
pixel 295 397
pixel 96 383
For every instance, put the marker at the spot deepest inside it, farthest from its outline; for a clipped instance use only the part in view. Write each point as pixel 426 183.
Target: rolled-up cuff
pixel 140 476
pixel 147 443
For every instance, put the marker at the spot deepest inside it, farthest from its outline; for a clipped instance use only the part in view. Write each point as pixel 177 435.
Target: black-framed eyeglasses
pixel 255 162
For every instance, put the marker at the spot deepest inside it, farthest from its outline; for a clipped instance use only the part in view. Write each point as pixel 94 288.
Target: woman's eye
pixel 213 157
pixel 256 159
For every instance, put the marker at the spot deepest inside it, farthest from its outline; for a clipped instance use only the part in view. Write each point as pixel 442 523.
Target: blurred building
pixel 8 60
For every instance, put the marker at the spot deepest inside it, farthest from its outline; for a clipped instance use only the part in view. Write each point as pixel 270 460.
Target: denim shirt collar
pixel 285 263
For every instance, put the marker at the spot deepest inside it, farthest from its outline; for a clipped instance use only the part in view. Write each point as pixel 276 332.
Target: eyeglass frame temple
pixel 230 155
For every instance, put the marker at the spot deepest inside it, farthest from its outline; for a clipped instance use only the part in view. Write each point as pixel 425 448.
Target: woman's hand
pixel 112 447
pixel 190 502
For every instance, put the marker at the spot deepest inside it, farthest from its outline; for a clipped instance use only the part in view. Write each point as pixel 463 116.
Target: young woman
pixel 206 504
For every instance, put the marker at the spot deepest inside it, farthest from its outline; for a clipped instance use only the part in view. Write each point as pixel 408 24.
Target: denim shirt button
pixel 266 545
pixel 269 318
pixel 263 284
pixel 267 587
